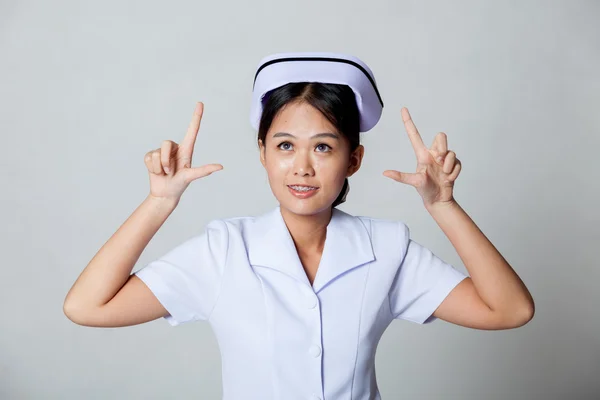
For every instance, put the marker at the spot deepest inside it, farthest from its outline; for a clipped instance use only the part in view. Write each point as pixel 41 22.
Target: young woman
pixel 299 297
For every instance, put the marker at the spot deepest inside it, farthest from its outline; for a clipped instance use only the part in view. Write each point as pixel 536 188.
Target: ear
pixel 262 152
pixel 355 160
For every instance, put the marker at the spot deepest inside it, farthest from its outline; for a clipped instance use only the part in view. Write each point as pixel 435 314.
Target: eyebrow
pixel 318 135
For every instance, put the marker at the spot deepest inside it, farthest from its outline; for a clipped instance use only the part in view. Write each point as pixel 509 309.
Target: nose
pixel 303 164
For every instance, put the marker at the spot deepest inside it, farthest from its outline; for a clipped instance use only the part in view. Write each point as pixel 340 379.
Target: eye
pixel 282 143
pixel 323 144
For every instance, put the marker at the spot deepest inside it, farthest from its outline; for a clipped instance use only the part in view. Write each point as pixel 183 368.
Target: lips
pixel 302 187
pixel 299 192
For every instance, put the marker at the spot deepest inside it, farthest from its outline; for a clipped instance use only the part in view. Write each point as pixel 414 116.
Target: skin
pixel 492 296
pixel 106 294
pixel 292 154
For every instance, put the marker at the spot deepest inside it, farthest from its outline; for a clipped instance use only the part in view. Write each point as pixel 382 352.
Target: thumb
pixel 403 177
pixel 192 174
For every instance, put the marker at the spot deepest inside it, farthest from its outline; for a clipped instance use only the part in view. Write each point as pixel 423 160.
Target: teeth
pixel 302 188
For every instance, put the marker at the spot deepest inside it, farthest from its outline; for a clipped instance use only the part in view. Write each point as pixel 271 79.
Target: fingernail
pixel 439 159
pixel 167 170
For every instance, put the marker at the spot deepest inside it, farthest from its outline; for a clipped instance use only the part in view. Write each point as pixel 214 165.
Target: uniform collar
pixel 347 245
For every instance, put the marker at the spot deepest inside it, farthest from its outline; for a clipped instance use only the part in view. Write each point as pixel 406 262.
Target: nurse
pixel 299 296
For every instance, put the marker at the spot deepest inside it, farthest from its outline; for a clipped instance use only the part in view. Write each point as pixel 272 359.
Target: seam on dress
pixel 223 274
pixel 362 304
pixel 274 388
pixel 406 230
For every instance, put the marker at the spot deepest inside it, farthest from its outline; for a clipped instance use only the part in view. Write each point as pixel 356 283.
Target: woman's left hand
pixel 437 168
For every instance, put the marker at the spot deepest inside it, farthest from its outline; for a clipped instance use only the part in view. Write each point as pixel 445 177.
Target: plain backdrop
pixel 87 88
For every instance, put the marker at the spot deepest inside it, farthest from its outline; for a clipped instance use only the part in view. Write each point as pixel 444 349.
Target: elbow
pixel 528 312
pixel 527 309
pixel 74 312
pixel 515 316
pixel 521 315
pixel 69 309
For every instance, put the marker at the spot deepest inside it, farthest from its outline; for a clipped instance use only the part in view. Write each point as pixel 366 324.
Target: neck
pixel 307 231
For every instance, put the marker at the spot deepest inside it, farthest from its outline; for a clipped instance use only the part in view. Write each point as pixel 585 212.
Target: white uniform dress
pixel 281 337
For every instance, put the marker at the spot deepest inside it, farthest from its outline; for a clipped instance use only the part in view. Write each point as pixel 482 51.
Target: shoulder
pixel 386 235
pixel 236 222
pixel 389 238
pixel 233 226
pixel 380 227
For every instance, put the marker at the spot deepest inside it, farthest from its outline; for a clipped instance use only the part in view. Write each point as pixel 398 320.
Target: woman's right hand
pixel 170 166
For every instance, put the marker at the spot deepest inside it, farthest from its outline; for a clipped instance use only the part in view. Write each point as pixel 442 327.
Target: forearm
pixel 110 268
pixel 496 282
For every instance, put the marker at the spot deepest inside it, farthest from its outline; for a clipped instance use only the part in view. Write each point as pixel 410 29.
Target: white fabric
pixel 281 337
pixel 351 71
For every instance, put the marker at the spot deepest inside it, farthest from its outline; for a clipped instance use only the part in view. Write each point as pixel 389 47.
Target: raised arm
pixel 493 296
pixel 106 294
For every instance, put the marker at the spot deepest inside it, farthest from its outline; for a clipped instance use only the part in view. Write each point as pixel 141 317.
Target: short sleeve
pixel 187 280
pixel 422 282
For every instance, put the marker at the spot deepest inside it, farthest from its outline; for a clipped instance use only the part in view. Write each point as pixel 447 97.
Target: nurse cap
pixel 279 69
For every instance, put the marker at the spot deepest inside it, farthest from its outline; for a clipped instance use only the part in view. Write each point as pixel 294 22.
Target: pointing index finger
pixel 192 132
pixel 413 133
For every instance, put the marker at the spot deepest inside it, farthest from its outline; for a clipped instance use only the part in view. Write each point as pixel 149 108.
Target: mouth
pixel 302 191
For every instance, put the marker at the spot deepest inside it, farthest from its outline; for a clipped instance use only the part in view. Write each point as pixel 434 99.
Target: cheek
pixel 283 163
pixel 278 166
pixel 330 169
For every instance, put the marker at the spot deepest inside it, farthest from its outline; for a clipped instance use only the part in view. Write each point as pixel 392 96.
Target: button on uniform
pixel 311 301
pixel 315 350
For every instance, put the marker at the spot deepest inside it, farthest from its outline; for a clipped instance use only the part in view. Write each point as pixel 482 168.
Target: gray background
pixel 87 88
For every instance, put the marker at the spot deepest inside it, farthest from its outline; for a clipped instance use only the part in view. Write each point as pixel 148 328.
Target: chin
pixel 310 206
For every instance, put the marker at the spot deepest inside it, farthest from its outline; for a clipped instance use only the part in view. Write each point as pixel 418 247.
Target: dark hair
pixel 335 101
